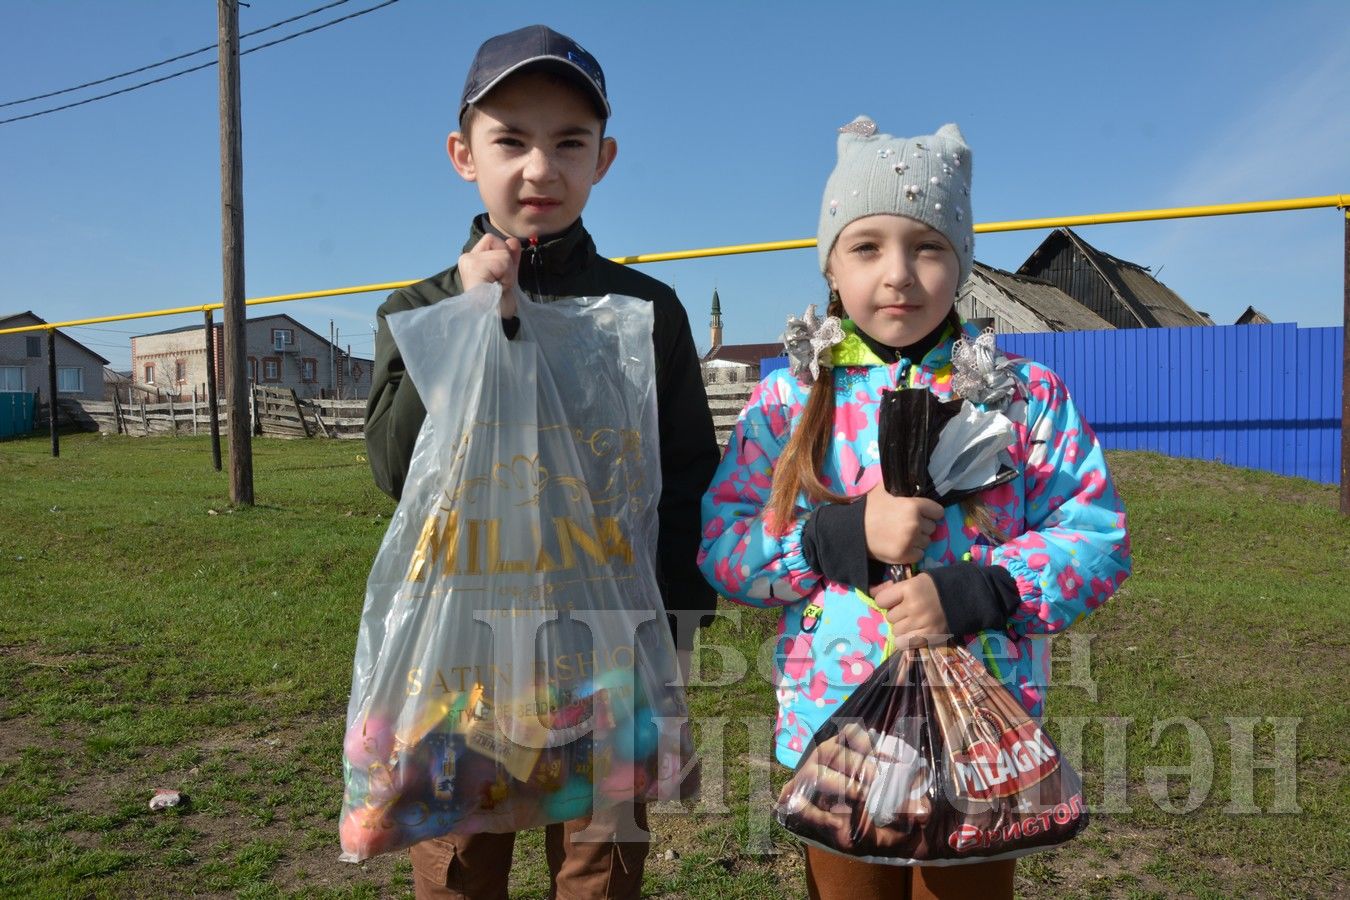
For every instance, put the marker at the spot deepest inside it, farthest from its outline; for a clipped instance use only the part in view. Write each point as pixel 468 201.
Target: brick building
pixel 280 353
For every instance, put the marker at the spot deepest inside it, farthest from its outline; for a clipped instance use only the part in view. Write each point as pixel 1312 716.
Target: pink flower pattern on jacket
pixel 1067 548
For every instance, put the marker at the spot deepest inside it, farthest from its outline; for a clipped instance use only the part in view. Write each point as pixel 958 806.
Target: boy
pixel 532 138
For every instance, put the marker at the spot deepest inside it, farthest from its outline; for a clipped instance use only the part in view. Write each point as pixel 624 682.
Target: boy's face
pixel 534 151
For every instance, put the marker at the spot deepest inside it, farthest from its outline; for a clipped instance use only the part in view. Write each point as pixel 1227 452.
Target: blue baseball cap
pixel 530 47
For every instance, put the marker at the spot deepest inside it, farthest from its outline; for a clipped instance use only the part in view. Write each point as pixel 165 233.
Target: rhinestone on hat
pixel 933 180
pixel 864 128
pixel 900 168
pixel 884 152
pixel 834 207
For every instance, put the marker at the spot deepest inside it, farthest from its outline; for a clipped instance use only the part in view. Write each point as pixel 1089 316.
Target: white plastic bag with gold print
pixel 514 665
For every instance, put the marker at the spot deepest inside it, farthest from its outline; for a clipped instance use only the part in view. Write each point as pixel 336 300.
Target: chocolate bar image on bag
pixel 931 761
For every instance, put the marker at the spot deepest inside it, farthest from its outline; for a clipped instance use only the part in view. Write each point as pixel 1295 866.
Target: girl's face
pixel 895 276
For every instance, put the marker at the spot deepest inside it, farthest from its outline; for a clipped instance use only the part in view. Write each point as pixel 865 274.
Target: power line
pixel 111 330
pixel 207 65
pixel 165 62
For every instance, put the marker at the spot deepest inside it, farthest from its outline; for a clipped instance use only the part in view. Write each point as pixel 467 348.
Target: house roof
pixel 202 327
pixel 744 354
pixel 1056 308
pixel 1253 316
pixel 1148 300
pixel 38 320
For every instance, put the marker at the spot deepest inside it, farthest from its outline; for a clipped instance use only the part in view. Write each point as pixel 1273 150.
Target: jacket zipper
pixel 537 269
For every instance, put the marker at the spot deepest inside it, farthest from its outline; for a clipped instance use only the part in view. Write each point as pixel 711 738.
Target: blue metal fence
pixel 16 414
pixel 1260 396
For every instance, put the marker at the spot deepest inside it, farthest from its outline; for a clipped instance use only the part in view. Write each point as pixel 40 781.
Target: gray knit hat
pixel 925 178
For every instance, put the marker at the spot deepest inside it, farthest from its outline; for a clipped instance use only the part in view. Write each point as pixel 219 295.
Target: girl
pixel 796 517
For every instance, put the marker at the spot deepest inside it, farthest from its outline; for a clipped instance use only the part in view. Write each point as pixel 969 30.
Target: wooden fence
pixel 273 412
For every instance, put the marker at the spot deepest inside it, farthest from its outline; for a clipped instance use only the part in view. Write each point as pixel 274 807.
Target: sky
pixel 726 115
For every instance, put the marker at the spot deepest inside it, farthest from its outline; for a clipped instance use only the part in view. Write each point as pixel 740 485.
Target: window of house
pixel 34 346
pixel 271 369
pixel 309 370
pixel 180 370
pixel 149 373
pixel 282 338
pixel 11 378
pixel 69 380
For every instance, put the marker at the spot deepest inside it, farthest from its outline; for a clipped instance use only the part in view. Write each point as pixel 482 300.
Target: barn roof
pixel 1048 303
pixel 1149 301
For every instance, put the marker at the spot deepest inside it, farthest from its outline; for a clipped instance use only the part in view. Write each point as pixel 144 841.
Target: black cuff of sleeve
pixel 511 327
pixel 834 543
pixel 975 597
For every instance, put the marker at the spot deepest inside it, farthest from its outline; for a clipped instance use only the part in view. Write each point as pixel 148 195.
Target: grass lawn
pixel 155 638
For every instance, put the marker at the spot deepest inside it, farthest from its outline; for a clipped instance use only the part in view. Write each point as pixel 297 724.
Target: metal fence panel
pixel 16 414
pixel 1260 396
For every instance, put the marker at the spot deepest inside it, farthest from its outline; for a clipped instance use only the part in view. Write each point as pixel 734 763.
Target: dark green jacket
pixel 568 266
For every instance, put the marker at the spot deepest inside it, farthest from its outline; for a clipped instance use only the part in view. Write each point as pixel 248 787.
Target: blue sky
pixel 725 115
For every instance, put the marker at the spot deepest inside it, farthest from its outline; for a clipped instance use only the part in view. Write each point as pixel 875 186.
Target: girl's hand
pixel 493 261
pixel 913 611
pixel 899 529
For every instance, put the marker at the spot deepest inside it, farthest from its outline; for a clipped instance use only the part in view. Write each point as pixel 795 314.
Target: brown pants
pixel 831 876
pixel 476 867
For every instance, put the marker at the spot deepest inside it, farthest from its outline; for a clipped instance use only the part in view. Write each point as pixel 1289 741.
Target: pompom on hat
pixel 926 178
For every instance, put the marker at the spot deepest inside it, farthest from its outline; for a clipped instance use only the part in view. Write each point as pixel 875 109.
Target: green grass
pixel 153 637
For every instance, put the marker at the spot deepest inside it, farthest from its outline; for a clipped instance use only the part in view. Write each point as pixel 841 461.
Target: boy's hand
pixel 898 529
pixel 913 611
pixel 493 261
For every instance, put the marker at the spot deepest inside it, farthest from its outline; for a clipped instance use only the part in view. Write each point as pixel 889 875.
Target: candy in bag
pixel 932 762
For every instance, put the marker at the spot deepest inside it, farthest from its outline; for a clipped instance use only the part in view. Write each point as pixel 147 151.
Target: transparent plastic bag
pixel 932 762
pixel 514 666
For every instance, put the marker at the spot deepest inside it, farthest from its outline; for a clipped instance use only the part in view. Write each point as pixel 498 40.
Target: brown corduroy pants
pixel 477 866
pixel 832 876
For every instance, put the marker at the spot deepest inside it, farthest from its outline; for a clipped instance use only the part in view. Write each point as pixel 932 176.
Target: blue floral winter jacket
pixel 1068 548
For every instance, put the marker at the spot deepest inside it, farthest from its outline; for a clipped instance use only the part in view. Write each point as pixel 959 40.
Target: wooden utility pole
pixel 211 403
pixel 232 254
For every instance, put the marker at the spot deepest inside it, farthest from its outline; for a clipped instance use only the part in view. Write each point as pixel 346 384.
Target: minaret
pixel 716 322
